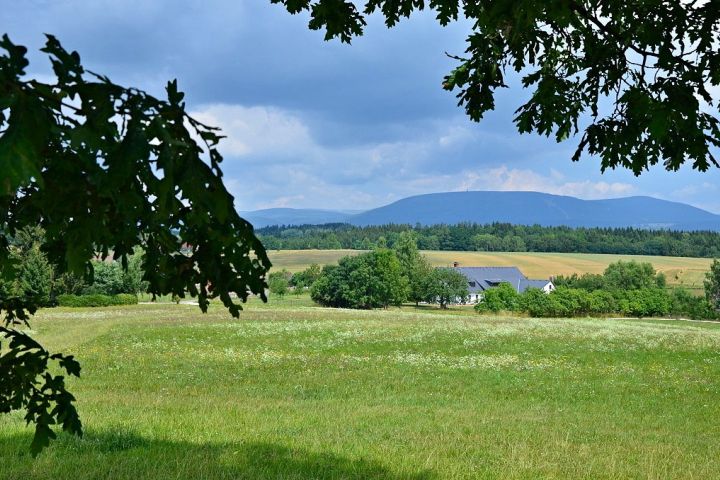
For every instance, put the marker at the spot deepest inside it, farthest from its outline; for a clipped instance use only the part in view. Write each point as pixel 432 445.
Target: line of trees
pixel 385 277
pixel 35 279
pixel 625 288
pixel 497 237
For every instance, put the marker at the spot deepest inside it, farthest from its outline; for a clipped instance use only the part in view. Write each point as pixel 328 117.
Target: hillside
pixel 529 208
pixel 293 216
pixel 519 208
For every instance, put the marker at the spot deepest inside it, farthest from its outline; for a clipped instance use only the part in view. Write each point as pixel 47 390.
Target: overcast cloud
pixel 321 124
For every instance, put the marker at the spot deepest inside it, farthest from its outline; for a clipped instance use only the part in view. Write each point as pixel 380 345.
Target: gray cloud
pixel 321 124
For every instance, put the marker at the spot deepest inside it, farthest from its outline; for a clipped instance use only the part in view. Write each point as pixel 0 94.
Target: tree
pixel 33 276
pixel 107 279
pixel 132 277
pixel 278 282
pixel 587 281
pixel 632 275
pixel 638 75
pixel 306 277
pixel 103 168
pixel 415 266
pixel 445 286
pixel 712 285
pixel 370 280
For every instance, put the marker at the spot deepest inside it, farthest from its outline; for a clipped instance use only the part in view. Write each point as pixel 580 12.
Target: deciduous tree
pixel 370 280
pixel 636 77
pixel 446 286
pixel 712 285
pixel 103 168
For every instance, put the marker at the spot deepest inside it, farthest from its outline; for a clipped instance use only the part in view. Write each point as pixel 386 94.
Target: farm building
pixel 485 278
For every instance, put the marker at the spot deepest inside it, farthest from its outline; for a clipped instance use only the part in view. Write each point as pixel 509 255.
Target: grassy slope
pixel 291 391
pixel 688 272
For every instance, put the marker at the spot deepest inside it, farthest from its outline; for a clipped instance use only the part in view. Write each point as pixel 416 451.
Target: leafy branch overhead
pixel 637 79
pixel 106 169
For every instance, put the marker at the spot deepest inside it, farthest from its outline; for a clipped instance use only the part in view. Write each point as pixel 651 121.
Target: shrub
pixel 96 300
pixel 307 277
pixel 278 282
pixel 125 299
pixel 502 298
pixel 685 304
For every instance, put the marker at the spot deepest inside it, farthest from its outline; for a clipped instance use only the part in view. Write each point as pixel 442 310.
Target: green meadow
pixel 291 391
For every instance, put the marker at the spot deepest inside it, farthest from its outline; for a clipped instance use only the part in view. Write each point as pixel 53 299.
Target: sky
pixel 315 124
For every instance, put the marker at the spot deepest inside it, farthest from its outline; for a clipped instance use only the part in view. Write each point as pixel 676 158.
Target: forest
pixel 497 237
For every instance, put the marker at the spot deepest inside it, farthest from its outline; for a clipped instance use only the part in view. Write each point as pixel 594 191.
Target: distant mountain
pixel 529 208
pixel 294 216
pixel 519 208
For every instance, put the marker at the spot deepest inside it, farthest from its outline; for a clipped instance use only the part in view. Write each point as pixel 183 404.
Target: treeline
pixel 497 237
pixel 625 288
pixel 36 282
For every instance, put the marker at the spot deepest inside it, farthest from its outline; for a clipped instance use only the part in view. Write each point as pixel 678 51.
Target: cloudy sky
pixel 321 124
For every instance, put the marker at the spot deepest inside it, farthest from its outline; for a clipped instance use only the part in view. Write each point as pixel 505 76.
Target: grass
pixel 294 391
pixel 680 271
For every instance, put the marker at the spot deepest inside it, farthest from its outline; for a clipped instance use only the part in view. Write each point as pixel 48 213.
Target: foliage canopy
pixel 103 168
pixel 637 76
pixel 370 280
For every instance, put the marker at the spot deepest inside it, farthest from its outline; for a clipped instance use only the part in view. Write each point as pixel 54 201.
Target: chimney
pixel 456 264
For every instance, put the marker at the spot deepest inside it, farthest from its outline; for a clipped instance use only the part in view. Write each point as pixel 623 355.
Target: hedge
pixel 97 300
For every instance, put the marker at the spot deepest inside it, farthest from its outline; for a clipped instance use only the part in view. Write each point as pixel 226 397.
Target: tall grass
pixel 292 391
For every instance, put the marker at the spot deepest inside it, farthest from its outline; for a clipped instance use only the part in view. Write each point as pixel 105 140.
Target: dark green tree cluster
pixel 620 275
pixel 369 280
pixel 625 288
pixel 386 277
pixel 500 237
pixel 35 278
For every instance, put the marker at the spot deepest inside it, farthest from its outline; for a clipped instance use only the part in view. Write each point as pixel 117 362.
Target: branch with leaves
pixel 639 75
pixel 107 169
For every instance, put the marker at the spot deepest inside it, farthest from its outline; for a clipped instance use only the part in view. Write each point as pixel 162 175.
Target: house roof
pixel 527 283
pixel 484 278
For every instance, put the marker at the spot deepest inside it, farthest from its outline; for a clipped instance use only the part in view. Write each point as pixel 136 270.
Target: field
pixel 680 271
pixel 296 392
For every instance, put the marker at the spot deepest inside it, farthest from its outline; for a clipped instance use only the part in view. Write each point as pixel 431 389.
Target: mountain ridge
pixel 520 208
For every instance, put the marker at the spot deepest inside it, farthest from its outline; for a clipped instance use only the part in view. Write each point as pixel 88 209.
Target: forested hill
pixel 498 237
pixel 517 208
pixel 535 208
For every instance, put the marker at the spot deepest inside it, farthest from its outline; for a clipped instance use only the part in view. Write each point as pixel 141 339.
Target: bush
pixel 502 298
pixel 96 300
pixel 307 277
pixel 278 282
pixel 685 304
pixel 125 299
pixel 573 302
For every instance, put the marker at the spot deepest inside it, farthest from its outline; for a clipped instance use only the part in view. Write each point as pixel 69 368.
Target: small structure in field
pixel 481 279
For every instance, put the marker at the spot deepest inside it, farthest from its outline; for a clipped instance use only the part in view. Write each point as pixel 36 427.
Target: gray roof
pixel 484 278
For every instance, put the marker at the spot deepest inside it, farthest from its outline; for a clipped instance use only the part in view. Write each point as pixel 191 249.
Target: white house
pixel 481 279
